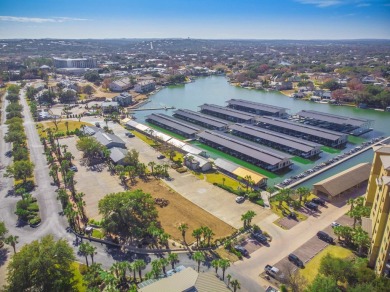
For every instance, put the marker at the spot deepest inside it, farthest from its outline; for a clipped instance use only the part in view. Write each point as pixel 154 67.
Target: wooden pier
pixel 152 108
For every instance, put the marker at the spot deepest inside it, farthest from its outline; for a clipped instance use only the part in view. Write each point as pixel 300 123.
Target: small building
pixel 185 279
pixel 117 155
pixel 110 106
pixel 197 163
pixel 120 84
pixel 336 185
pixel 145 86
pixel 124 99
pixel 109 140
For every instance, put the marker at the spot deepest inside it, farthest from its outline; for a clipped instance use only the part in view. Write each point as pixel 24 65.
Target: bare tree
pixel 293 278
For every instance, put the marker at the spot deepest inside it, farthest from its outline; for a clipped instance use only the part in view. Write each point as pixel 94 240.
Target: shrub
pixel 253 196
pixel 28 186
pixel 33 207
pixel 35 221
pixel 260 202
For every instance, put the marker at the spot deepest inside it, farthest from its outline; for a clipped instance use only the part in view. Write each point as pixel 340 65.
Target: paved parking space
pixel 95 182
pixel 287 223
pixel 251 245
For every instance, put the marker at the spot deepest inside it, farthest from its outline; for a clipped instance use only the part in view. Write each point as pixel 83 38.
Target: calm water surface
pixel 217 90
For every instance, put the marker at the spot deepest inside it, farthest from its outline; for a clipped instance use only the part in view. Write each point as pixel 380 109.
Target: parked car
pixel 73 168
pixel 274 272
pixel 295 260
pixel 161 156
pixel 319 201
pixel 240 199
pixel 97 124
pixel 242 250
pixel 325 236
pixel 130 135
pixel 311 206
pixel 260 237
pixel 335 224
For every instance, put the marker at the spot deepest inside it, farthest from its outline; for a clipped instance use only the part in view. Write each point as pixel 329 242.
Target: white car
pixel 240 199
pixel 335 224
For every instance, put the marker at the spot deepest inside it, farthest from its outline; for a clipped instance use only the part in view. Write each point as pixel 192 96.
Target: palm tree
pixel 224 264
pixel 199 257
pixel 197 233
pixel 208 234
pixel 12 241
pixel 250 215
pixel 156 268
pixel 235 284
pixel 247 180
pixel 132 268
pixel 215 265
pixel 173 258
pixel 244 219
pixel 83 250
pixel 302 192
pixel 152 164
pixel 164 262
pixel 183 227
pixel 91 251
pixel 351 202
pixel 229 277
pixel 139 265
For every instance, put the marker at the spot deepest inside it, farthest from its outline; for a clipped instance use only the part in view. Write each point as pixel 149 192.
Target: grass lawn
pixel 311 269
pixel 214 177
pixel 301 160
pixel 216 153
pixel 78 277
pixel 144 138
pixel 285 207
pixel 330 149
pixel 72 125
pixel 355 140
pixel 97 233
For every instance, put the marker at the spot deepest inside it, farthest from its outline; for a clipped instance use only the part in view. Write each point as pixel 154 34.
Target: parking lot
pixel 94 182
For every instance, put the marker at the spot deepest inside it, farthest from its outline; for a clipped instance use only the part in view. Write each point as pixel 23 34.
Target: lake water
pixel 217 90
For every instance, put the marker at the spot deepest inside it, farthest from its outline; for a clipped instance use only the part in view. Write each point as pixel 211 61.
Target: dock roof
pixel 228 111
pixel 202 118
pixel 173 123
pixel 330 118
pixel 257 105
pixel 242 147
pixel 310 130
pixel 345 180
pixel 299 144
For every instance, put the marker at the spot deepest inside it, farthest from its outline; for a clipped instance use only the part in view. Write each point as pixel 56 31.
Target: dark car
pixel 130 135
pixel 161 156
pixel 319 201
pixel 73 168
pixel 242 250
pixel 260 237
pixel 325 236
pixel 311 206
pixel 296 260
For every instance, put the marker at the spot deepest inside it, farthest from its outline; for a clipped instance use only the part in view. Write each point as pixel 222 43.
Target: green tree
pixel 44 265
pixel 128 214
pixel 173 258
pixel 197 233
pixel 164 263
pixel 360 238
pixel 323 284
pixel 139 265
pixel 183 227
pixel 12 240
pixel 156 268
pixel 215 265
pixel 344 232
pixel 3 231
pixel 199 257
pixel 302 192
pixel 90 147
pixel 20 170
pixel 92 278
pixel 235 285
pixel 224 264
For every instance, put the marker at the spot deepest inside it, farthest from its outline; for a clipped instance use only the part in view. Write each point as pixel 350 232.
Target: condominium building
pixel 378 197
pixel 75 63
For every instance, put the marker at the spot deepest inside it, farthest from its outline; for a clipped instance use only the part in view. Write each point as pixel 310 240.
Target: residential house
pixel 110 106
pixel 145 86
pixel 368 79
pixel 124 99
pixel 197 163
pixel 117 155
pixel 120 84
pixel 109 140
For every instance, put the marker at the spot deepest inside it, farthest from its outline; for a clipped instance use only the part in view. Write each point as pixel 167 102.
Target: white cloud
pixel 321 3
pixel 39 20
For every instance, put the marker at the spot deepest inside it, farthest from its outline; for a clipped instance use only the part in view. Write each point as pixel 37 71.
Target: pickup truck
pixel 273 272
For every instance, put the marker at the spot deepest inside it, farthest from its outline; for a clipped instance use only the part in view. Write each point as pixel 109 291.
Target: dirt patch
pixel 286 223
pixel 181 210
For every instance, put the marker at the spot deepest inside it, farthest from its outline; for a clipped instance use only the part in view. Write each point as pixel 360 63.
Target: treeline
pixel 22 169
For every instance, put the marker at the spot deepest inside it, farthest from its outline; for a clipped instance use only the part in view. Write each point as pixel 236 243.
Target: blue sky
pixel 215 19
